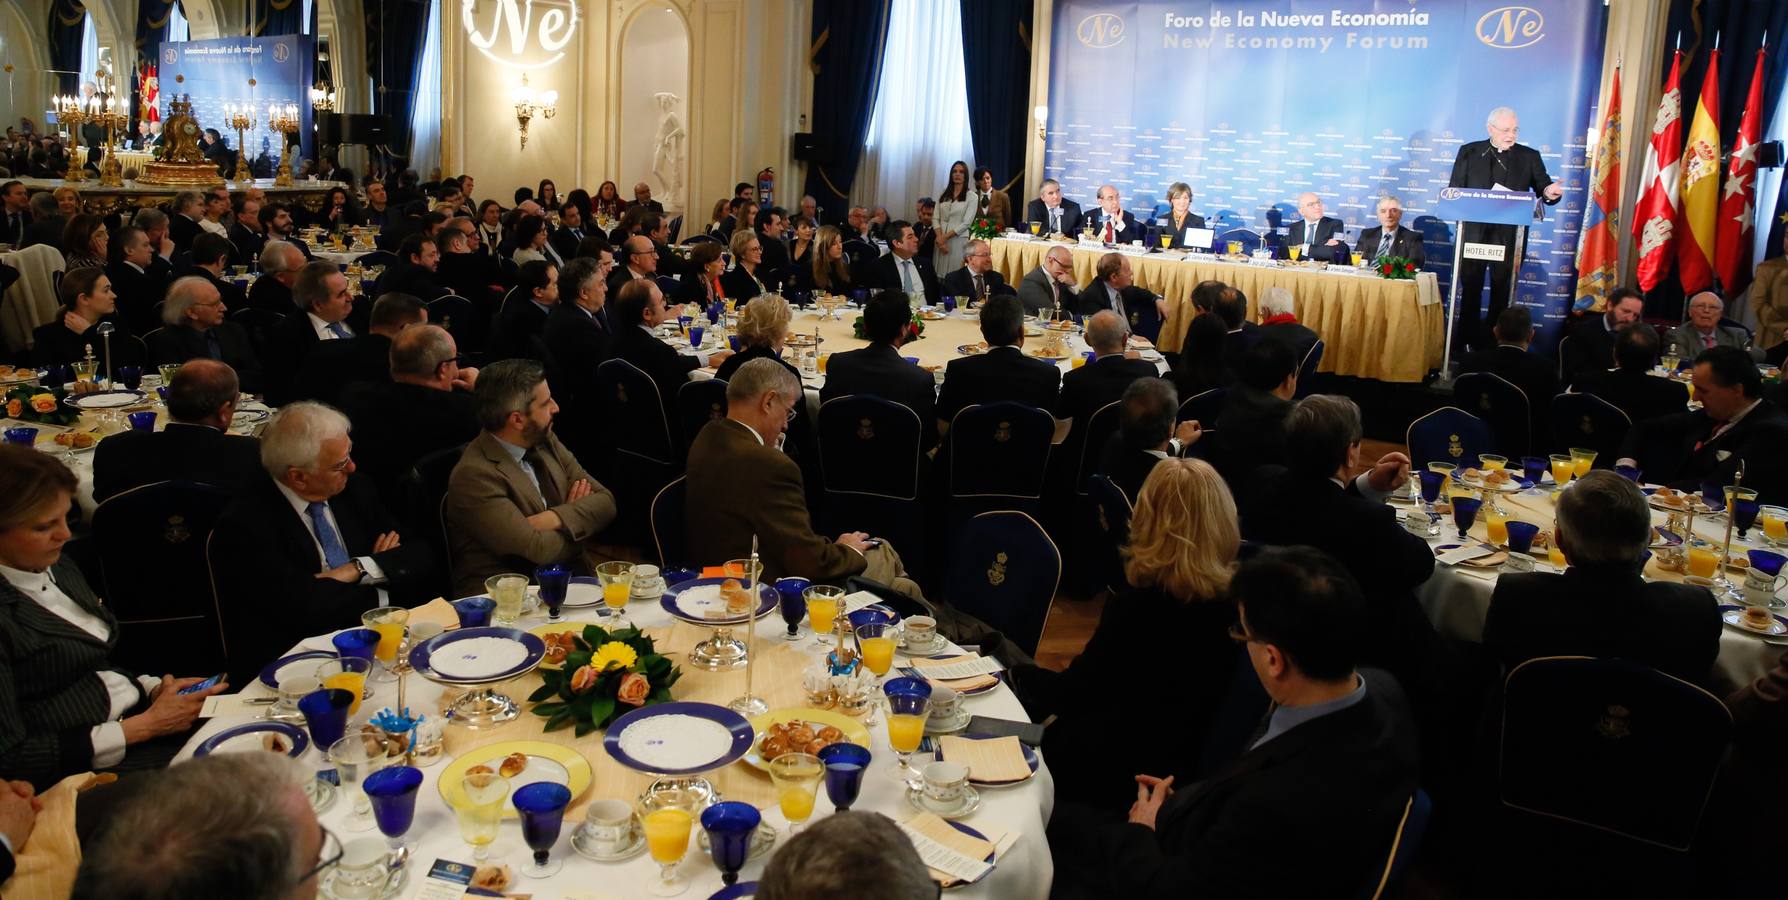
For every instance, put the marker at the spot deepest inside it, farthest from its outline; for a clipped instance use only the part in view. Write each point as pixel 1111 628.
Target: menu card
pixel 994 759
pixel 436 611
pixel 858 600
pixel 951 855
pixel 1464 552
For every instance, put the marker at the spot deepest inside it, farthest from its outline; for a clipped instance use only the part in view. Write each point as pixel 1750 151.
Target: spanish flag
pixel 1701 186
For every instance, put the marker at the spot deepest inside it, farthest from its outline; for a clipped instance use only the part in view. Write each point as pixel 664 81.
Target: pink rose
pixel 633 690
pixel 583 679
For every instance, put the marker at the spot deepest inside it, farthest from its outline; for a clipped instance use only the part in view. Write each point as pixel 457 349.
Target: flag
pixel 1732 259
pixel 149 90
pixel 1700 210
pixel 1654 219
pixel 1598 253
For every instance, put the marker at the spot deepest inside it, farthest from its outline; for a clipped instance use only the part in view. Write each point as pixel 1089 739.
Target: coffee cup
pixel 362 870
pixel 920 632
pixel 945 703
pixel 945 783
pixel 647 582
pixel 610 827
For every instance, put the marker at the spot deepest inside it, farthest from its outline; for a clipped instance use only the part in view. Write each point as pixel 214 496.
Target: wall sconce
pixel 1041 114
pixel 527 104
pixel 322 97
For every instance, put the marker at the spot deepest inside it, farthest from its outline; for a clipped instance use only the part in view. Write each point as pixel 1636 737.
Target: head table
pixel 1018 812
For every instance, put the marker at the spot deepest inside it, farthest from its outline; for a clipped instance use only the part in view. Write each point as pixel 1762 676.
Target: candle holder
pixel 111 171
pixel 283 120
pixel 749 704
pixel 69 113
pixel 240 117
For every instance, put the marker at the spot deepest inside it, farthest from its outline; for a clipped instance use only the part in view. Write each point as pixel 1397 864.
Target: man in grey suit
pixel 518 499
pixel 1049 288
pixel 1703 330
pixel 1404 242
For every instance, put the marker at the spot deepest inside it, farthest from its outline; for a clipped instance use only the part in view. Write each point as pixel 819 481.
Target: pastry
pixel 1757 618
pixel 1470 474
pixel 738 601
pixel 492 878
pixel 481 772
pixel 513 764
pixel 276 743
pixel 797 737
pixel 830 734
pixel 80 440
pixel 1499 477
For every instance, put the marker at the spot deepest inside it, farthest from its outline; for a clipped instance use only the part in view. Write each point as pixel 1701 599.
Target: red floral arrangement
pixel 983 228
pixel 1396 268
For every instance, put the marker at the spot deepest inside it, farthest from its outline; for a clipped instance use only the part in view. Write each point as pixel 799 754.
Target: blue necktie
pixel 337 329
pixel 334 554
pixel 212 348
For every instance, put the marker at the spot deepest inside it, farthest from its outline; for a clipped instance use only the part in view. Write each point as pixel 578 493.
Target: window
pixel 89 50
pixel 425 111
pixel 920 124
pixel 178 29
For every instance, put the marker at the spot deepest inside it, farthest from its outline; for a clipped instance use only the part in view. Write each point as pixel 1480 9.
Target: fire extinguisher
pixel 766 188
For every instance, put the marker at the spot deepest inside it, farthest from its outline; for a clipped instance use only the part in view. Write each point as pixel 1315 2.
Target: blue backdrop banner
pixel 1252 102
pixel 252 70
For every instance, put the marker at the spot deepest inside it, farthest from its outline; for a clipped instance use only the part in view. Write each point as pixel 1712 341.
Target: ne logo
pixel 532 43
pixel 1100 30
pixel 1511 27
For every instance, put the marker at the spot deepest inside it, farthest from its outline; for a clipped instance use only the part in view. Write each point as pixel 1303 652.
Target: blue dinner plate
pixel 915 672
pixel 270 675
pixel 93 400
pixel 766 594
pixel 422 654
pixel 292 733
pixel 732 721
pixel 736 891
pixel 874 612
pixel 974 834
pixel 1030 757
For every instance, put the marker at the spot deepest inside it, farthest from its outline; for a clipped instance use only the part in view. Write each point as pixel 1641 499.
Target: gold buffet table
pixel 100 200
pixel 1371 328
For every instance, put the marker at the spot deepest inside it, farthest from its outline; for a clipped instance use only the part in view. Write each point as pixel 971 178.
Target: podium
pixel 1483 206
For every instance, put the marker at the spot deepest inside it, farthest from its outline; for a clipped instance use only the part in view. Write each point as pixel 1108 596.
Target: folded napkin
pixel 952 856
pixel 438 611
pixel 992 760
pixel 960 685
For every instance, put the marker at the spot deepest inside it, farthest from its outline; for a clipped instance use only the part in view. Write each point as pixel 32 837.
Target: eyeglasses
pixel 1241 636
pixel 330 854
pixel 790 415
pixel 642 253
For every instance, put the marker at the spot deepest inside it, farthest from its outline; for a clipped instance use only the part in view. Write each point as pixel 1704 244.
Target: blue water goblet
pixel 696 333
pixel 950 304
pixel 1533 468
pixel 1431 483
pixel 792 604
pixel 1714 495
pixel 732 341
pixel 674 577
pixel 131 377
pixel 554 581
pixel 23 435
pixel 1465 511
pixel 1744 508
pixel 326 714
pixel 542 808
pixel 474 612
pixel 1521 535
pixel 356 642
pixel 1630 473
pixel 141 421
pixel 730 825
pixel 392 793
pixel 845 765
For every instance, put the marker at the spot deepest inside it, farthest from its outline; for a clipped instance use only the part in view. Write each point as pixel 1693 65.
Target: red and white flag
pixel 1654 219
pixel 1738 200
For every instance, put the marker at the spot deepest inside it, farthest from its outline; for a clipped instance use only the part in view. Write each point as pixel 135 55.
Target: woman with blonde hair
pixel 831 268
pixel 746 279
pixel 763 328
pixel 1141 694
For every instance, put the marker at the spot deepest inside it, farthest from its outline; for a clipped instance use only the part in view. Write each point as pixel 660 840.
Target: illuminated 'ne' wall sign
pixel 528 46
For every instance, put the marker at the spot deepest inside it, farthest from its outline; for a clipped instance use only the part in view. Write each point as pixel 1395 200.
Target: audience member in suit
pixel 1170 625
pixel 15 219
pixel 570 233
pixel 1512 360
pixel 69 710
pixel 1114 287
pixel 880 370
pixel 976 280
pixel 307 547
pixel 465 270
pixel 749 276
pixel 642 196
pixel 1593 337
pixel 183 225
pixel 518 499
pixel 772 230
pixel 193 327
pixel 194 445
pixel 637 310
pixel 516 334
pixel 280 226
pixel 272 291
pixel 657 228
pixel 1091 387
pixel 990 201
pixel 333 366
pixel 1601 605
pixel 803 233
pixel 154 223
pixel 1048 290
pixel 320 291
pixel 84 242
pixel 1389 237
pixel 138 287
pixel 763 327
pixel 1112 223
pixel 704 283
pixel 1279 319
pixel 1734 425
pixel 901 269
pixel 577 331
pixel 1331 773
pixel 1198 367
pixel 1320 237
pixel 415 273
pixel 1146 435
pixel 1251 430
pixel 1003 372
pixel 751 489
pixel 1054 213
pixel 925 226
pixel 426 406
pixel 47 220
pixel 210 257
pixel 638 261
pixel 1180 216
pixel 87 302
pixel 1704 330
pixel 1630 386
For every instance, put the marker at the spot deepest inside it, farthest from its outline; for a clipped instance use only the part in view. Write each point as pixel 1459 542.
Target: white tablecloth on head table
pixel 1025 870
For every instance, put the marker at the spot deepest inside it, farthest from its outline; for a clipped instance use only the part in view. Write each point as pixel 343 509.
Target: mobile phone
pixel 195 688
pixel 1026 732
pixel 873 542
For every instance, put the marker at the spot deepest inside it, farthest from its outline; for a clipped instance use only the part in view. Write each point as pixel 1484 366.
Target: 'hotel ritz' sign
pixel 520 34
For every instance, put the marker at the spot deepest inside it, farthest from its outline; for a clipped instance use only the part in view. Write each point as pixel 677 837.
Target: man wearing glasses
pixel 639 259
pixel 1500 163
pixel 426 407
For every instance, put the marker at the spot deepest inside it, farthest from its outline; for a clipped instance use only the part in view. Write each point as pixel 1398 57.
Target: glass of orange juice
pixel 1774 520
pixel 1496 524
pixel 389 622
pixel 1357 258
pixel 1581 460
pixel 822 608
pixel 1703 558
pixel 667 839
pixel 616 578
pixel 797 778
pixel 1555 555
pixel 875 641
pixel 909 705
pixel 348 673
pixel 1563 469
pixel 1294 251
pixel 1491 462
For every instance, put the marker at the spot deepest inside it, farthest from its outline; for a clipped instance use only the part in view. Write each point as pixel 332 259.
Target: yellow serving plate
pixel 546 762
pixel 854 730
pixel 554 628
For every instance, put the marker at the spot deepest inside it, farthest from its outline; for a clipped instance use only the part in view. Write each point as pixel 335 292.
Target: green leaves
pixel 555 702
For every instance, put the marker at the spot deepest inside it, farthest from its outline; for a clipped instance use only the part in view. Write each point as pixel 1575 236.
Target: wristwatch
pixel 359 567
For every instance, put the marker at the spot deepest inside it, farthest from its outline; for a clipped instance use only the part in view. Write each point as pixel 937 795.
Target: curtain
pixel 395 62
pixel 68 26
pixel 273 17
pixel 920 124
pixel 425 113
pixel 89 51
pixel 996 61
pixel 845 57
pixel 155 20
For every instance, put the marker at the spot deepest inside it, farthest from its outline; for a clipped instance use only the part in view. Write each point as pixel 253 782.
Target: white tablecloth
pixel 1025 870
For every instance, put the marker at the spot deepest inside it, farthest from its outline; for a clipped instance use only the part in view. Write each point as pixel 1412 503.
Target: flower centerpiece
pixel 32 403
pixel 1396 268
pixel 604 674
pixel 982 228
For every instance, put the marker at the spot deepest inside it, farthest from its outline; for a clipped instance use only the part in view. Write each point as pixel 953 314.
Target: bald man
pixel 1497 162
pixel 1315 235
pixel 1111 222
pixel 642 196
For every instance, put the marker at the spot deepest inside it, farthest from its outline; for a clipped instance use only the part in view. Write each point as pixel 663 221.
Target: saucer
pixel 394 887
pixel 628 852
pixel 321 794
pixel 949 726
pixel 971 801
pixel 936 645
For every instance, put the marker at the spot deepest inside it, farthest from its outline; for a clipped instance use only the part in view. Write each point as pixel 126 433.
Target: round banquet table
pixel 1371 327
pixel 1023 867
pixel 1457 598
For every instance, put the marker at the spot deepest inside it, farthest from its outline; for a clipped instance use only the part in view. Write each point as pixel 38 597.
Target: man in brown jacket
pixel 745 485
pixel 518 499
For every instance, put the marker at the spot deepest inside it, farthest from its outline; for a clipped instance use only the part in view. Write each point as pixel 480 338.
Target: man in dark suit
pixel 47 220
pixel 272 291
pixel 516 334
pixel 638 261
pixel 1591 344
pixel 425 407
pixel 901 269
pixel 333 366
pixel 1389 237
pixel 247 236
pixel 307 547
pixel 320 292
pixel 1630 386
pixel 570 233
pixel 1317 236
pixel 1231 308
pixel 1733 426
pixel 137 287
pixel 193 327
pixel 1049 289
pixel 1146 434
pixel 637 310
pixel 1055 214
pixel 976 279
pixel 1252 425
pixel 15 219
pixel 210 257
pixel 415 272
pixel 1331 773
pixel 772 231
pixel 194 445
pixel 1511 359
pixel 642 196
pixel 879 369
pixel 1003 372
pixel 1112 223
pixel 577 333
pixel 1279 319
pixel 183 225
pixel 1114 287
pixel 1496 162
pixel 1601 605
pixel 1091 387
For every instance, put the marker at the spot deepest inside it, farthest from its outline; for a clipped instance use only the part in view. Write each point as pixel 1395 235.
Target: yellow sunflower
pixel 613 655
